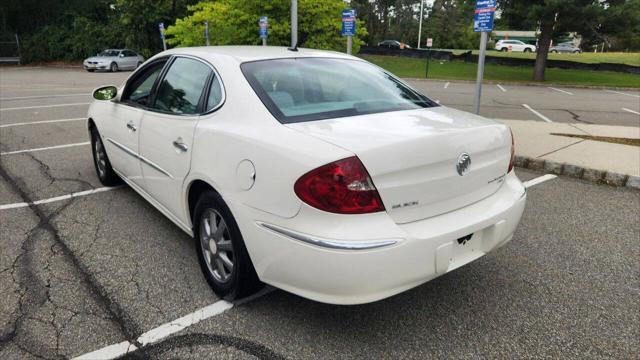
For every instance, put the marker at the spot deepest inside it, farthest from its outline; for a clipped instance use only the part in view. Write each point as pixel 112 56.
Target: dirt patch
pixel 613 140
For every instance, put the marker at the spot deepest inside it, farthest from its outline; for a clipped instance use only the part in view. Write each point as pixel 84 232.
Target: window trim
pixel 207 85
pixel 134 77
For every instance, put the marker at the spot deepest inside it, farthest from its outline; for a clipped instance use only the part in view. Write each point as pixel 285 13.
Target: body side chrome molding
pixel 327 243
pixel 139 157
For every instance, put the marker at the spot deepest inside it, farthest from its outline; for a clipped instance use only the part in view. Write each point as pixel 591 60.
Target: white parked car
pixel 313 171
pixel 113 60
pixel 514 45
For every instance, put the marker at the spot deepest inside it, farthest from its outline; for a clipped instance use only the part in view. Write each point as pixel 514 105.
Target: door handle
pixel 178 144
pixel 131 127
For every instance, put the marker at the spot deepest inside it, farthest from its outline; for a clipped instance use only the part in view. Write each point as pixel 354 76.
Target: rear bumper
pixel 349 271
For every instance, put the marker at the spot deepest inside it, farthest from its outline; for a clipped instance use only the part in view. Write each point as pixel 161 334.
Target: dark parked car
pixel 393 44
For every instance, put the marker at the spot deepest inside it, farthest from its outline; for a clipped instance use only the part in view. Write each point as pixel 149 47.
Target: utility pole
pixel 294 24
pixel 420 26
pixel 206 31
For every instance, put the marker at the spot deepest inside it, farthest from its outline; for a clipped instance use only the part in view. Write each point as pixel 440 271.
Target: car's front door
pixel 168 128
pixel 121 136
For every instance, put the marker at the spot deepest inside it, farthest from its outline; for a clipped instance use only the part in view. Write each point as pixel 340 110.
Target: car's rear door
pixel 166 138
pixel 121 135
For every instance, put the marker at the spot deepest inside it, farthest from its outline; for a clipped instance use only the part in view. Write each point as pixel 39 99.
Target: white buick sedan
pixel 313 171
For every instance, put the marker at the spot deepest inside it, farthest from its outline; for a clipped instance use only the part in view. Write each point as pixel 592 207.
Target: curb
pixel 515 83
pixel 575 171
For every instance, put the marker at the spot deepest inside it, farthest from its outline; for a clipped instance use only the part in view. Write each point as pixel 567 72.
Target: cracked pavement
pixel 80 274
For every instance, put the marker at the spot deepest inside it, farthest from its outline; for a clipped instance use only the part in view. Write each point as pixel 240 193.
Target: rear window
pixel 307 89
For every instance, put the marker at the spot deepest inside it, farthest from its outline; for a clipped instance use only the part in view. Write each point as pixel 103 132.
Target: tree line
pixel 70 30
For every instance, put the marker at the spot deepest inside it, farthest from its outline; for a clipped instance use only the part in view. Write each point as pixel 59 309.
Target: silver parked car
pixel 565 48
pixel 114 60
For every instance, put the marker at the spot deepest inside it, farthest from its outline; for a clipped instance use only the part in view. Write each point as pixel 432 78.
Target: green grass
pixel 587 57
pixel 458 70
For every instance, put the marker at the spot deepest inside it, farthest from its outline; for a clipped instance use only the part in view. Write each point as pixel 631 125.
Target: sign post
pixel 206 31
pixel 482 23
pixel 264 29
pixel 349 27
pixel 429 45
pixel 161 28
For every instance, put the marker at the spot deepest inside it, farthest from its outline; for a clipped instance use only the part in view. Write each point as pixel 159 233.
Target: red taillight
pixel 513 153
pixel 342 187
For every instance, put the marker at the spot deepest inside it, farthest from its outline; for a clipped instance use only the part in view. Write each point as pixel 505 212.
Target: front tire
pixel 113 67
pixel 105 172
pixel 222 254
pixel 527 50
pixel 504 49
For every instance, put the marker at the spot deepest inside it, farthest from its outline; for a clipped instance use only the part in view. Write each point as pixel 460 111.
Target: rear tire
pixel 554 51
pixel 138 65
pixel 222 254
pixel 504 49
pixel 576 52
pixel 105 172
pixel 113 67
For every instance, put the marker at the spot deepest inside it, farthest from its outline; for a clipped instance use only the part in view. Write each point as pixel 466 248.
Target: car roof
pixel 252 53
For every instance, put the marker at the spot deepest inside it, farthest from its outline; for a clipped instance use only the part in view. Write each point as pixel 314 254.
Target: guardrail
pixel 468 56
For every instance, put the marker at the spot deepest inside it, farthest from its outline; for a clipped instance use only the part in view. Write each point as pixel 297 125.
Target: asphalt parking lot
pixel 103 268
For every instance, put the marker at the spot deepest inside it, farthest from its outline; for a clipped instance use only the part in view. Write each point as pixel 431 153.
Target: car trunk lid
pixel 412 156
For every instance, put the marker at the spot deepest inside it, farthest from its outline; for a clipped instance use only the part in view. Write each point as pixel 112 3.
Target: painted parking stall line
pixel 560 90
pixel 631 111
pixel 58 198
pixel 539 180
pixel 501 88
pixel 446 85
pixel 43 148
pixel 41 97
pixel 43 106
pixel 537 113
pixel 41 122
pixel 622 93
pixel 163 331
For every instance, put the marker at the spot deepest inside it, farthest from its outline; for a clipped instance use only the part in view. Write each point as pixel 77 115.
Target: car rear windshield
pixel 307 89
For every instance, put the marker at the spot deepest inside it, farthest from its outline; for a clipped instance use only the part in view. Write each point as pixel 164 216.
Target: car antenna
pixel 294 47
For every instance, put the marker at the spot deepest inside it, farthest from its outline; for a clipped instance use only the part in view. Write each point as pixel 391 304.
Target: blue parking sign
pixel 483 16
pixel 264 27
pixel 348 22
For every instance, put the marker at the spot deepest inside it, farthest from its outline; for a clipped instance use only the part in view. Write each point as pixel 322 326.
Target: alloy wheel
pixel 101 157
pixel 215 243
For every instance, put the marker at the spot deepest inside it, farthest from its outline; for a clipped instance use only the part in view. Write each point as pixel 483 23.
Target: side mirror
pixel 105 93
pixel 121 55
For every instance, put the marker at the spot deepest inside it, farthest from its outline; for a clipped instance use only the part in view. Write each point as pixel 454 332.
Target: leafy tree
pixel 236 22
pixel 553 17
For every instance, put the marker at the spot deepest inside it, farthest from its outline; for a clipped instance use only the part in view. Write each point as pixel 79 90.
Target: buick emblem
pixel 464 164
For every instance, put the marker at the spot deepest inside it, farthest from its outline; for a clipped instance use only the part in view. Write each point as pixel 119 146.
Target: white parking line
pixel 159 333
pixel 446 85
pixel 539 180
pixel 437 101
pixel 560 90
pixel 621 93
pixel 44 148
pixel 631 111
pixel 58 198
pixel 41 97
pixel 501 88
pixel 537 113
pixel 162 331
pixel 41 122
pixel 43 106
pixel 110 352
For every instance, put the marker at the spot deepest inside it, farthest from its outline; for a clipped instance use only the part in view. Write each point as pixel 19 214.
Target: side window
pixel 215 93
pixel 181 89
pixel 139 90
pixel 129 53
